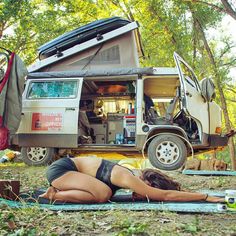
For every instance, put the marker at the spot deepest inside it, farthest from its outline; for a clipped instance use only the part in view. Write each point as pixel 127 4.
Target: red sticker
pixel 46 121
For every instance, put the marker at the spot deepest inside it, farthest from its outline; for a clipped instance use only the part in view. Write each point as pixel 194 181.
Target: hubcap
pixel 36 154
pixel 167 152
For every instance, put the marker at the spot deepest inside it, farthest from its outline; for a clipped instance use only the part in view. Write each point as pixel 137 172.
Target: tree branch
pixel 230 11
pixel 215 7
pixel 231 63
pixel 230 89
pixel 226 49
pixel 231 100
pixel 226 9
pixel 160 19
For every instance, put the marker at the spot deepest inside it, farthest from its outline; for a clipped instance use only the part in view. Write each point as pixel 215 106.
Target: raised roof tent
pixel 80 35
pixel 106 43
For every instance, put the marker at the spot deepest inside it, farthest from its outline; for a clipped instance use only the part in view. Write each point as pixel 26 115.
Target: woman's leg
pixel 68 196
pixel 76 196
pixel 78 187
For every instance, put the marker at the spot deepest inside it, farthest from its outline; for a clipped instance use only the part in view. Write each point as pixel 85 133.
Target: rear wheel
pixel 37 156
pixel 167 152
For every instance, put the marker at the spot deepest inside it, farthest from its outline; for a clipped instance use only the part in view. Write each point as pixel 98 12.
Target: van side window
pixel 52 89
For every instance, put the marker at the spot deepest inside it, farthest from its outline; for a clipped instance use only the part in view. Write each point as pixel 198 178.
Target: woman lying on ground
pixel 93 180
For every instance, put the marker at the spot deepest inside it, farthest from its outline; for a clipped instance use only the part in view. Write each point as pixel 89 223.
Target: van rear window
pixel 52 89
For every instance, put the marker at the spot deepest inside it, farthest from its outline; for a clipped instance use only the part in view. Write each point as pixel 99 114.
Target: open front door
pixel 193 103
pixel 50 113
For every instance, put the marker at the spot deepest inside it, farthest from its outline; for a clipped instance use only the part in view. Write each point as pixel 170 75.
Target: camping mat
pixel 209 172
pixel 121 201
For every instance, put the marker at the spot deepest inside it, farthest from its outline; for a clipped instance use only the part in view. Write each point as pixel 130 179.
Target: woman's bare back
pixel 87 165
pixel 90 165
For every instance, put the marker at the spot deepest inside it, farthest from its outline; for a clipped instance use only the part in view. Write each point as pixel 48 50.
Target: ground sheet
pixel 121 200
pixel 209 172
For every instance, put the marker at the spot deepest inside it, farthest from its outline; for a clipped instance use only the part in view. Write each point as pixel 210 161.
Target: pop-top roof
pixel 80 35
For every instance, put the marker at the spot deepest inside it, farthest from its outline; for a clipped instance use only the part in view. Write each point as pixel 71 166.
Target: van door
pixel 50 113
pixel 192 101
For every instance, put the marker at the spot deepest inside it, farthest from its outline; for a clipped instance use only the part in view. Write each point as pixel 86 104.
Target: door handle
pixel 188 94
pixel 70 109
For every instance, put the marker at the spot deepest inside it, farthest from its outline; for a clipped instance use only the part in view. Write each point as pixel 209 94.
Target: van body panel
pixel 166 129
pixel 48 140
pixel 215 117
pixel 50 107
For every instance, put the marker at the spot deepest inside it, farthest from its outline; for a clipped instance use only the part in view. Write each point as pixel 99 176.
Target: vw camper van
pixel 87 92
pixel 165 113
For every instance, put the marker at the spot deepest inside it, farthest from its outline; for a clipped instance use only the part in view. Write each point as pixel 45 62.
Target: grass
pixel 35 221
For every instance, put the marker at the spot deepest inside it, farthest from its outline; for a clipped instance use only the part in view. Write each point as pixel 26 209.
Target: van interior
pixel 107 113
pixel 108 109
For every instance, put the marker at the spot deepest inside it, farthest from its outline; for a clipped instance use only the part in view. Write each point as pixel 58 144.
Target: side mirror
pixel 207 89
pixel 3 64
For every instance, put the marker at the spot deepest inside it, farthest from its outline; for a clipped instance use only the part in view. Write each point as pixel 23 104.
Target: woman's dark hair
pixel 159 180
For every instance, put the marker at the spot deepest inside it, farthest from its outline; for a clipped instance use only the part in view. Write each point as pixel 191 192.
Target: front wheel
pixel 37 156
pixel 167 152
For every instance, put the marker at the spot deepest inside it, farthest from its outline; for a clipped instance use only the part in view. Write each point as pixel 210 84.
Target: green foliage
pixel 24 232
pixel 165 26
pixel 191 228
pixel 28 24
pixel 127 228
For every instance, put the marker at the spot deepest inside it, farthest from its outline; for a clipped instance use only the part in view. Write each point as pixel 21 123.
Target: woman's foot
pixel 50 193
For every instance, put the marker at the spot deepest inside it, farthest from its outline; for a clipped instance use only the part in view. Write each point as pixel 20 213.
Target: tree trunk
pixel 228 8
pixel 228 126
pixel 222 97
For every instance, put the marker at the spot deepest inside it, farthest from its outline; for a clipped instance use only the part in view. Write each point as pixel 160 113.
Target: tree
pixel 25 25
pixel 165 27
pixel 218 80
pixel 227 7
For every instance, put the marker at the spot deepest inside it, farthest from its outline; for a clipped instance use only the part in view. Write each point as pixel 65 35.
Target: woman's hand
pixel 214 199
pixel 138 197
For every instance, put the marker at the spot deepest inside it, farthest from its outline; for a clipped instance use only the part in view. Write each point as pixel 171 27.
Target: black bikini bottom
pixel 59 168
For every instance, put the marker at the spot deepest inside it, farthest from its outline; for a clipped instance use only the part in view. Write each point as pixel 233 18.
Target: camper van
pixel 92 95
pixel 162 112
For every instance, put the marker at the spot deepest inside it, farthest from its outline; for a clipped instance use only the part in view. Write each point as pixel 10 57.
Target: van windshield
pixel 52 89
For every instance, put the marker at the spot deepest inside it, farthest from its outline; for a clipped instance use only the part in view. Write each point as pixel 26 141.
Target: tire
pixel 37 156
pixel 167 152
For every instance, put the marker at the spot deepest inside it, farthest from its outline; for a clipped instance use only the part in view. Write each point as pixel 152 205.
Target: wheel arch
pixel 171 129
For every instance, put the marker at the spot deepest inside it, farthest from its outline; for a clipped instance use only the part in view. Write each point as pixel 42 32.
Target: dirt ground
pixel 34 221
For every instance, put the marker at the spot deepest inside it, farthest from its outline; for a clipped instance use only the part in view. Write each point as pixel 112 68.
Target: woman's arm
pixel 139 187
